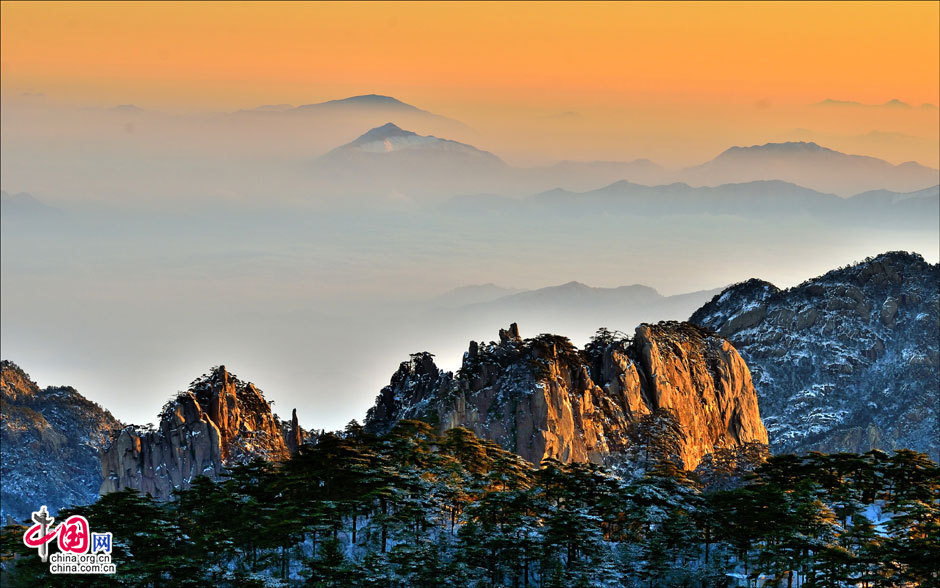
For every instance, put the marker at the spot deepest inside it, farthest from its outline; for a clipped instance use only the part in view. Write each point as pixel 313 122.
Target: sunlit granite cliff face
pixel 50 442
pixel 542 397
pixel 219 421
pixel 848 361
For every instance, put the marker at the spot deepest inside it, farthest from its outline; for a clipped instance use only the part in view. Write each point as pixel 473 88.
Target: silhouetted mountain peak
pixel 386 131
pixel 573 285
pixel 366 101
pixel 787 147
pixel 390 138
pixel 895 103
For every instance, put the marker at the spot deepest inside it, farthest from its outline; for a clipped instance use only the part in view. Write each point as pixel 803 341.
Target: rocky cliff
pixel 844 362
pixel 219 421
pixel 542 397
pixel 50 442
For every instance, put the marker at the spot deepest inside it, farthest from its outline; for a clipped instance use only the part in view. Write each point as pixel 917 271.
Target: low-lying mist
pixel 318 308
pixel 311 255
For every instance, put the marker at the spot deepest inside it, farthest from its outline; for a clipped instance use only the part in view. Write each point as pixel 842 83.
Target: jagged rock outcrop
pixel 848 361
pixel 293 434
pixel 50 441
pixel 219 421
pixel 542 397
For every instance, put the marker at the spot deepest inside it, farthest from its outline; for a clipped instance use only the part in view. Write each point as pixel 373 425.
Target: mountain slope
pixel 542 398
pixel 812 166
pixel 847 361
pixel 51 442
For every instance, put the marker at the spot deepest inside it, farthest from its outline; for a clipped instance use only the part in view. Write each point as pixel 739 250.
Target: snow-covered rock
pixel 847 361
pixel 50 442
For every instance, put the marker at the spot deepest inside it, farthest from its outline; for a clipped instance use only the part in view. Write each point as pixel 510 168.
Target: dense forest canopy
pixel 412 508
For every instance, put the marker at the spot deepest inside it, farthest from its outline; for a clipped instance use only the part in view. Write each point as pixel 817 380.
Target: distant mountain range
pixel 573 308
pixel 758 199
pixel 332 126
pixel 474 294
pixel 894 103
pixel 391 157
pixel 569 294
pixel 573 294
pixel 810 165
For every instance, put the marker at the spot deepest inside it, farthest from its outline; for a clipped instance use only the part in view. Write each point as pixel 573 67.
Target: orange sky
pixel 674 82
pixel 221 55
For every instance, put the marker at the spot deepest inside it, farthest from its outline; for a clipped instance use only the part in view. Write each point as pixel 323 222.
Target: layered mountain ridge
pixel 389 157
pixel 752 200
pixel 809 164
pixel 543 398
pixel 388 150
pixel 848 361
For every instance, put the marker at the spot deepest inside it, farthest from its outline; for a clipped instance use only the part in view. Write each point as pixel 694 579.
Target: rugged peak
pixel 543 397
pixel 219 421
pixel 420 366
pixel 847 361
pixel 413 384
pixel 510 334
pixel 294 437
pixel 745 302
pixel 890 266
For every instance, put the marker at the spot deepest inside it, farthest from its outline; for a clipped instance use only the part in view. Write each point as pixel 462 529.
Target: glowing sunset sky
pixel 681 62
pixel 232 55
